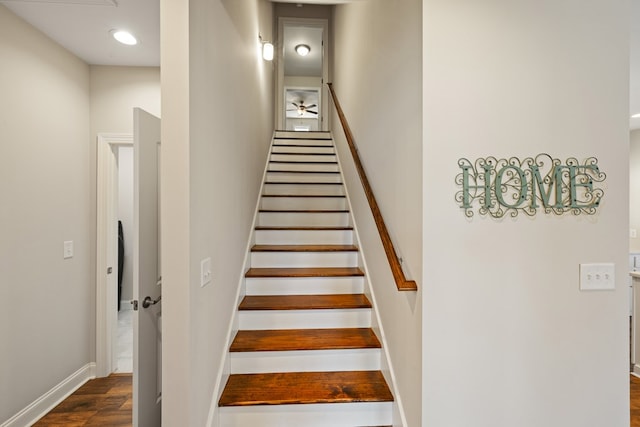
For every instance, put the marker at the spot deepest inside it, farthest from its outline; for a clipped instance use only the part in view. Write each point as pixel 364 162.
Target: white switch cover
pixel 68 249
pixel 633 233
pixel 595 277
pixel 205 272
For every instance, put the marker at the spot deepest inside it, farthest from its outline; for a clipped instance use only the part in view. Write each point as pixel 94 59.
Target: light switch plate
pixel 596 277
pixel 68 249
pixel 205 272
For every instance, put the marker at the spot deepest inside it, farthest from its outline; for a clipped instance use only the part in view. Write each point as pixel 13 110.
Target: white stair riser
pixel 321 158
pixel 304 285
pixel 304 237
pixel 301 203
pixel 304 189
pixel 366 359
pixel 300 319
pixel 311 415
pixel 304 259
pixel 326 219
pixel 332 167
pixel 303 177
pixel 295 137
pixel 300 148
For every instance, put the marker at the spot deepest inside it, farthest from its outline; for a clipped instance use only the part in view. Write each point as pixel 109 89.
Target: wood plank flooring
pixel 635 401
pixel 105 402
pixel 108 402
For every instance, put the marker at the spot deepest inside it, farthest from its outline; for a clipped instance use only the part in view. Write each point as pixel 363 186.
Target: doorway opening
pixel 302 73
pixel 107 299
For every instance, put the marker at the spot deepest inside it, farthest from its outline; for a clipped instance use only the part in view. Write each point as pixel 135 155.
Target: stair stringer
pixel 224 370
pixel 376 323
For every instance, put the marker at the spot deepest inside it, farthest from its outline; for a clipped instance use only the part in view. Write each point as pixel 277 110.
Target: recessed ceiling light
pixel 635 116
pixel 124 37
pixel 302 49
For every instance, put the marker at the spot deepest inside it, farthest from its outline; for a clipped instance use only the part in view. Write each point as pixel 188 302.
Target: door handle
pixel 148 302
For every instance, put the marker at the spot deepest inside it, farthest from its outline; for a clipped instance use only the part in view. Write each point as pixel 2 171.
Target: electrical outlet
pixel 205 272
pixel 68 249
pixel 597 277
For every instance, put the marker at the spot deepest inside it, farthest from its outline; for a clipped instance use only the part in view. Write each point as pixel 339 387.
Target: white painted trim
pixel 224 370
pixel 106 251
pixel 385 362
pixel 45 403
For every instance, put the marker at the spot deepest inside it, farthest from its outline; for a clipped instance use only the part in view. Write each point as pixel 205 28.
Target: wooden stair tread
pixel 283 388
pixel 301 228
pixel 302 145
pixel 302 183
pixel 304 171
pixel 304 339
pixel 305 272
pixel 302 153
pixel 303 210
pixel 304 248
pixel 303 162
pixel 304 302
pixel 341 196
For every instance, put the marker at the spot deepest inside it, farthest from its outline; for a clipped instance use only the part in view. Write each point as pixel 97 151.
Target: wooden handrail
pixel 396 269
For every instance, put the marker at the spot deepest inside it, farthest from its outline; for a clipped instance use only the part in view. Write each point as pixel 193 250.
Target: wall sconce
pixel 267 49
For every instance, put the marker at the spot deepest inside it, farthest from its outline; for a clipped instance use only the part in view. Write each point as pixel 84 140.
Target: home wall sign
pixel 499 187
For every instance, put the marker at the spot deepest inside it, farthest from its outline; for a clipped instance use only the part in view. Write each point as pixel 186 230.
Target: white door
pixel 146 275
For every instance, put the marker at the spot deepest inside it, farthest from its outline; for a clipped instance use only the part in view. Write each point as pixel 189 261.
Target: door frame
pixel 280 115
pixel 107 248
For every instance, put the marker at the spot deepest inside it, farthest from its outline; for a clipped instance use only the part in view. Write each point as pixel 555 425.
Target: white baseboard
pixel 45 403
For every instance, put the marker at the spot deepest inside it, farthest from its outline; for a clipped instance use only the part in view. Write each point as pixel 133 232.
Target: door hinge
pixel 135 304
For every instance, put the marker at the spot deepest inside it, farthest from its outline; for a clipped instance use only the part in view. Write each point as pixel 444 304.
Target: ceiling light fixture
pixel 302 49
pixel 635 116
pixel 124 37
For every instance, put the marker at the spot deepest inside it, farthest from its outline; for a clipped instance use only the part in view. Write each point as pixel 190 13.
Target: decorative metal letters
pixel 510 186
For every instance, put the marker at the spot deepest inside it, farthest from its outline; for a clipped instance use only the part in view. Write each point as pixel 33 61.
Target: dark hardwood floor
pixel 635 401
pixel 105 402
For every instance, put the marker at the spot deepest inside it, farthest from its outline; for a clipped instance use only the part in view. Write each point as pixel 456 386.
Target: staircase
pixel 305 353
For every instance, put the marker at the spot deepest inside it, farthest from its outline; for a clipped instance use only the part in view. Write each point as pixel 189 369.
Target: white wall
pixel 214 152
pixel 377 77
pixel 508 338
pixel 125 214
pixel 634 193
pixel 45 300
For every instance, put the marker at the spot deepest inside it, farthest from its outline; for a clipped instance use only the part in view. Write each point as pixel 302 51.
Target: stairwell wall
pixel 217 122
pixel 45 301
pixel 507 334
pixel 377 77
pixel 634 193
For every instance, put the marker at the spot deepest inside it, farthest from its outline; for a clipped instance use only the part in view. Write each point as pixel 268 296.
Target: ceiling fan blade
pixel 312 112
pixel 292 109
pixel 296 104
pixel 310 106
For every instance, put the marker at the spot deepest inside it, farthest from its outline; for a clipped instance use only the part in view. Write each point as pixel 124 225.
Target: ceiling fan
pixel 301 108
